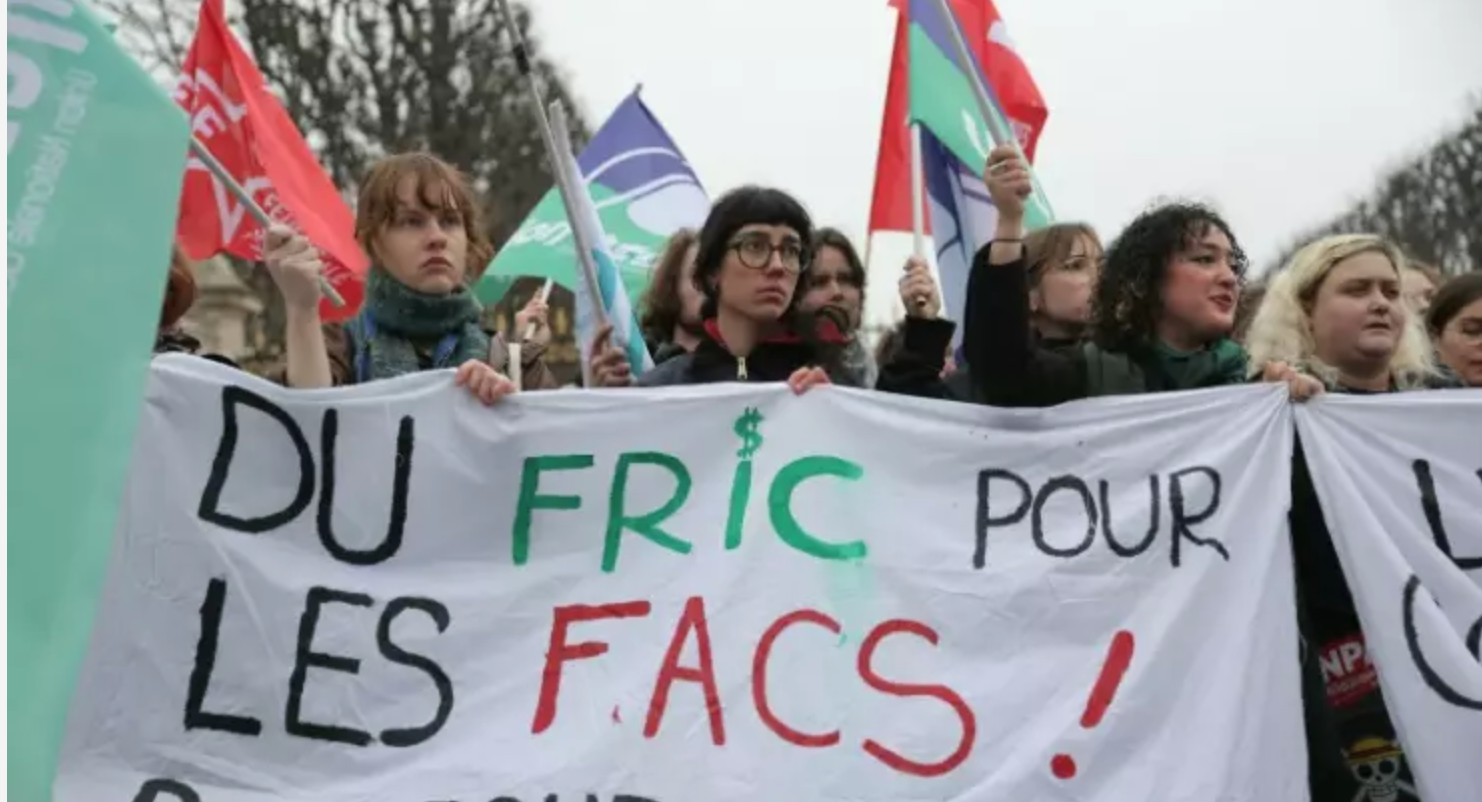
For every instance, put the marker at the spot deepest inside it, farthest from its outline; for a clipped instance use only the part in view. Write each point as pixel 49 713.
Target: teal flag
pixel 643 190
pixel 96 155
pixel 942 99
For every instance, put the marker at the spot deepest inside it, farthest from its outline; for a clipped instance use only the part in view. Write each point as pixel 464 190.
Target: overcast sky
pixel 1278 111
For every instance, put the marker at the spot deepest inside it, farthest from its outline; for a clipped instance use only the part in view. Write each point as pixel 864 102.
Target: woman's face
pixel 1418 291
pixel 1460 344
pixel 1063 295
pixel 425 249
pixel 1200 291
pixel 831 283
pixel 691 301
pixel 1357 315
pixel 759 273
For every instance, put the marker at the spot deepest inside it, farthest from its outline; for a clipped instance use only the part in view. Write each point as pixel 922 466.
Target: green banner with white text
pixel 96 153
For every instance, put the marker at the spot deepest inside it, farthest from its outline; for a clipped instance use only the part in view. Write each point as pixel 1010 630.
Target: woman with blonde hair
pixel 1337 313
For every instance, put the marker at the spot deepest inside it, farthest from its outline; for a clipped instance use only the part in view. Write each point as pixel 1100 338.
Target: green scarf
pixel 1158 368
pixel 400 330
pixel 1223 362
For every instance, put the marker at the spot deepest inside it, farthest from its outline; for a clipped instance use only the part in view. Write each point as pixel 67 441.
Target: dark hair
pixel 1456 294
pixel 1128 299
pixel 1052 244
pixel 741 207
pixel 751 205
pixel 828 237
pixel 661 305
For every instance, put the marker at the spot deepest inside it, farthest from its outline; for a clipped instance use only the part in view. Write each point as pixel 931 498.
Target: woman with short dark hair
pixel 750 263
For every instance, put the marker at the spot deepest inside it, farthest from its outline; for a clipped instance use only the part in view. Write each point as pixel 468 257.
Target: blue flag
pixel 643 190
pixel 962 221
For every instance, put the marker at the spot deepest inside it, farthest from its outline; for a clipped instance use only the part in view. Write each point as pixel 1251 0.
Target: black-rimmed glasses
pixel 756 252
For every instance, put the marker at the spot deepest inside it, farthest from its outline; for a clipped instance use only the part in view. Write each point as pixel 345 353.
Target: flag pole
pixel 918 202
pixel 544 296
pixel 224 175
pixel 548 134
pixel 570 182
pixel 918 192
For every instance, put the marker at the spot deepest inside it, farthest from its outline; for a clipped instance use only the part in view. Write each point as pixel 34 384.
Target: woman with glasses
pixel 749 264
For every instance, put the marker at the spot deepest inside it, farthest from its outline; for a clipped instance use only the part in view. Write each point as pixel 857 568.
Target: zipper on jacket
pixel 741 368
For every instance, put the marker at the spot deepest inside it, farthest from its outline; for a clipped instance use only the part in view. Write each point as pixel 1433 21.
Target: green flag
pixel 96 157
pixel 643 190
pixel 943 99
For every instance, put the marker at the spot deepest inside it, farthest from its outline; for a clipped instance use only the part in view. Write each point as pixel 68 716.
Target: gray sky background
pixel 1280 112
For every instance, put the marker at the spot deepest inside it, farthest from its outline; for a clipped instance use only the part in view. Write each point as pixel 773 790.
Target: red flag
pixel 1010 80
pixel 246 129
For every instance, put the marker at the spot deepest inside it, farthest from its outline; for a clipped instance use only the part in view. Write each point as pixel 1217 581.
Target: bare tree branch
pixel 1430 206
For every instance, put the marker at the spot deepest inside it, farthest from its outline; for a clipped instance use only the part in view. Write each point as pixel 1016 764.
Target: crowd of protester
pixel 760 294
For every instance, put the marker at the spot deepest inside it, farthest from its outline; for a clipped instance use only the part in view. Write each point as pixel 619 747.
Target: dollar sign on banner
pixel 746 429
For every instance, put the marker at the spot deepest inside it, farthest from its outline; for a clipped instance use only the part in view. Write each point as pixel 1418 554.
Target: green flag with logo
pixel 643 189
pixel 944 101
pixel 96 158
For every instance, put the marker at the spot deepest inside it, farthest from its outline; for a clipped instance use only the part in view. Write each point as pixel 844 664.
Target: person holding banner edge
pixel 751 256
pixel 1337 314
pixel 419 221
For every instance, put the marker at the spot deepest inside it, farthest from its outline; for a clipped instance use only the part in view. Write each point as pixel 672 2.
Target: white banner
pixel 1400 481
pixel 712 593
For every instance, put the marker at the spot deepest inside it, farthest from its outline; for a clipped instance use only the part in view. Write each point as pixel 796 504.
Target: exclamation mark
pixel 1118 658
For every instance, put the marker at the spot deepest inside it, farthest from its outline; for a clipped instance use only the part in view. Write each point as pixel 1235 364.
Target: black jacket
pixel 771 361
pixel 1342 707
pixel 915 368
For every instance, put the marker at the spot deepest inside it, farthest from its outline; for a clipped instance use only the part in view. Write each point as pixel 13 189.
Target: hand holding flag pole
pixel 245 198
pixel 516 367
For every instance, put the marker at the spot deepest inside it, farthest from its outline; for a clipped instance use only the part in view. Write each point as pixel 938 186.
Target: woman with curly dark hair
pixel 1161 318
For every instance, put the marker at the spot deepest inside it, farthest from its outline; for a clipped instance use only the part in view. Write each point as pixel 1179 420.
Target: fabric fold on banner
pixel 711 593
pixel 1400 482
